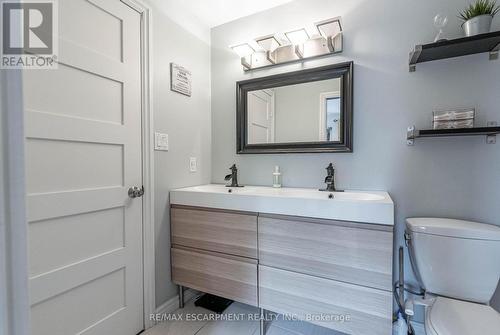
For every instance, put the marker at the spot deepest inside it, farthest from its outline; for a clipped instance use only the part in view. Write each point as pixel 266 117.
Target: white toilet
pixel 458 264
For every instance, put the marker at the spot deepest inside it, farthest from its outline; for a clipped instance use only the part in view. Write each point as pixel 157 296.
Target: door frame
pixel 148 223
pixel 14 297
pixel 323 97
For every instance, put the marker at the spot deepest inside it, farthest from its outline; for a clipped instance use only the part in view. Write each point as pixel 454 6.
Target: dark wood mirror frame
pixel 342 70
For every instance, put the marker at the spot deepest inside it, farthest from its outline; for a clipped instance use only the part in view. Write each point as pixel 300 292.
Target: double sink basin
pixel 359 206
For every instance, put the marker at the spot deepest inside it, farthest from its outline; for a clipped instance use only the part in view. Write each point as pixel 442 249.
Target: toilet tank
pixel 455 258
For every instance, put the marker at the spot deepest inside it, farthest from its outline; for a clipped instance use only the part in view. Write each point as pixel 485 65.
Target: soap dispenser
pixel 277 177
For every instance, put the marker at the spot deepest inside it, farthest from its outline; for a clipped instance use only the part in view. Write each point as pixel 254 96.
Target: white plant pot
pixel 477 25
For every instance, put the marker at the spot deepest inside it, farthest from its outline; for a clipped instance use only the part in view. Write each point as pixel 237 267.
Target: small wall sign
pixel 180 79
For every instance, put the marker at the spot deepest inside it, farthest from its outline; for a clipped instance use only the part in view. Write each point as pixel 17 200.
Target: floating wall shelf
pixel 490 132
pixel 489 42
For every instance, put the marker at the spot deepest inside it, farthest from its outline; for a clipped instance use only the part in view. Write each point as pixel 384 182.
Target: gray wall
pixel 457 177
pixel 297 110
pixel 187 122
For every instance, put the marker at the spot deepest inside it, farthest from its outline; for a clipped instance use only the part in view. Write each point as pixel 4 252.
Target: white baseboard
pixel 172 304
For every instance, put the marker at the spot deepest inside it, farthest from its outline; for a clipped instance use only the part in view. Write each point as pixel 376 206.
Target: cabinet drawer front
pixel 226 232
pixel 319 300
pixel 340 252
pixel 226 277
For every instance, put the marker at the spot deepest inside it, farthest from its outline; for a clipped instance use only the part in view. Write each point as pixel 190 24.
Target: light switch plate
pixel 161 141
pixel 193 164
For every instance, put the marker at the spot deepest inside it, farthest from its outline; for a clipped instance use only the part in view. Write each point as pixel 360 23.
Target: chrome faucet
pixel 330 179
pixel 233 177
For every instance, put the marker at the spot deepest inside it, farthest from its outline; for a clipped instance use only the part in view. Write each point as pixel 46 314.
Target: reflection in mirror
pixel 305 112
pixel 309 110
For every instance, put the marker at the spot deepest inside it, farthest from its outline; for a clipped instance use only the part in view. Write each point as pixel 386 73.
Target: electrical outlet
pixel 193 164
pixel 161 141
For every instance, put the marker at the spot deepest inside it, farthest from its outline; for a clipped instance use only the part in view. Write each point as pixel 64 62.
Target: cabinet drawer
pixel 349 252
pixel 318 300
pixel 220 231
pixel 226 276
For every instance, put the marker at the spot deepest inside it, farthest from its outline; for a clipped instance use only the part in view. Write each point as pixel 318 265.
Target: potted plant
pixel 477 17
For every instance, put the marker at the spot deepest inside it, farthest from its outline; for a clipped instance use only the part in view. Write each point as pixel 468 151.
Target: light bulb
pixel 243 50
pixel 297 36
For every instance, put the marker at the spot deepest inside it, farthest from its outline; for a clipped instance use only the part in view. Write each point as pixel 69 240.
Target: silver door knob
pixel 135 192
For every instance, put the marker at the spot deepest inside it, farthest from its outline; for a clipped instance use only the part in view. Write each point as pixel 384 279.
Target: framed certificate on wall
pixel 180 79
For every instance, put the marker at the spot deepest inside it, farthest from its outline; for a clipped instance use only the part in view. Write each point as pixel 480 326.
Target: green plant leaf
pixel 480 7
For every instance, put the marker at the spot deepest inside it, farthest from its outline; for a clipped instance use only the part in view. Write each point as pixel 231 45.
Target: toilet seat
pixel 455 317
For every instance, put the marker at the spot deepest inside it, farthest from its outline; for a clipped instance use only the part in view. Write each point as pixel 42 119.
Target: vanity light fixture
pixel 245 51
pixel 292 46
pixel 331 30
pixel 298 36
pixel 330 27
pixel 269 43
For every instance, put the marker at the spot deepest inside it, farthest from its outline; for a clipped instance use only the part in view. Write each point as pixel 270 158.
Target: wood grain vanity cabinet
pixel 290 265
pixel 230 277
pixel 215 251
pixel 351 252
pixel 318 269
pixel 229 232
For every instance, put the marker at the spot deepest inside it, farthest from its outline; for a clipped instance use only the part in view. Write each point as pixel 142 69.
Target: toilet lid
pixel 455 317
pixel 454 228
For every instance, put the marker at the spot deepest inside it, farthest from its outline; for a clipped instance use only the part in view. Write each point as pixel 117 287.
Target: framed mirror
pixel 296 112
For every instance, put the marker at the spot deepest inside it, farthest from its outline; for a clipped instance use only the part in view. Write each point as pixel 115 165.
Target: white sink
pixel 359 206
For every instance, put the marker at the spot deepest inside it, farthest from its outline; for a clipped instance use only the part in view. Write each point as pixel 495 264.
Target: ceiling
pixel 212 13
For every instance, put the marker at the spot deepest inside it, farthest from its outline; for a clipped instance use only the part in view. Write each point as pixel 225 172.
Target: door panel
pixel 79 165
pixel 80 236
pixel 83 152
pixel 80 307
pixel 261 117
pixel 106 93
pixel 103 35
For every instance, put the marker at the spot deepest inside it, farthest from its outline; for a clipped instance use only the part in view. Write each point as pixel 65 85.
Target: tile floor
pixel 245 326
pixel 418 328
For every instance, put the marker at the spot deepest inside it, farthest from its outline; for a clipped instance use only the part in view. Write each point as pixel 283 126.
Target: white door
pixel 83 152
pixel 260 117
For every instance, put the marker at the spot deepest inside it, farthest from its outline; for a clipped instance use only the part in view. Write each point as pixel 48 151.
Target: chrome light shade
pixel 299 45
